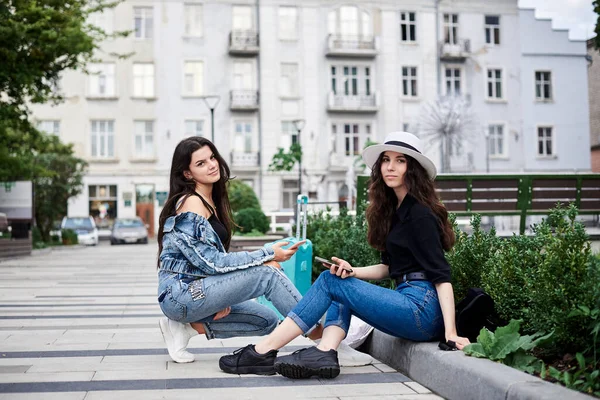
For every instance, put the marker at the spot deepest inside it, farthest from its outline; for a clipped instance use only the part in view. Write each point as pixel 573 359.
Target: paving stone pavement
pixel 82 323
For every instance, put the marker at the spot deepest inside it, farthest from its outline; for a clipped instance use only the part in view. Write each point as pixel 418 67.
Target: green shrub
pixel 36 238
pixel 469 256
pixel 69 236
pixel 252 219
pixel 241 196
pixel 344 236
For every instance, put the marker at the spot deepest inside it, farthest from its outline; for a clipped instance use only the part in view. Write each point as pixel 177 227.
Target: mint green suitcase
pixel 299 267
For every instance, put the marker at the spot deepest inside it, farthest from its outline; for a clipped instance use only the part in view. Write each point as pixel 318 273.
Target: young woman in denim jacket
pixel 202 288
pixel 410 226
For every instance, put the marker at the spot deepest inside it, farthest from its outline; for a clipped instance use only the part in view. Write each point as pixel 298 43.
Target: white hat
pixel 400 142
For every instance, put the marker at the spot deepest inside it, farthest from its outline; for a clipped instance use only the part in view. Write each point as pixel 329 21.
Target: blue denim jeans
pixel 412 311
pixel 198 300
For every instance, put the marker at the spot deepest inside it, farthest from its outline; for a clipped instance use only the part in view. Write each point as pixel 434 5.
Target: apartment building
pixel 349 71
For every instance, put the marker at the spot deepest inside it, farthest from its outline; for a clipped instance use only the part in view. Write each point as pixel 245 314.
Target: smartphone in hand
pixel 330 263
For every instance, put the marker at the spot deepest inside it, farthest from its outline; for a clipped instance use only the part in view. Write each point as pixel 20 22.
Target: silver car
pixel 129 230
pixel 84 227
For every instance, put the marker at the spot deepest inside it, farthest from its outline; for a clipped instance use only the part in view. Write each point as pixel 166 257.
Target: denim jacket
pixel 192 247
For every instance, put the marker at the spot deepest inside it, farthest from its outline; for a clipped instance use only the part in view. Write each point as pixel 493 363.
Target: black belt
pixel 412 276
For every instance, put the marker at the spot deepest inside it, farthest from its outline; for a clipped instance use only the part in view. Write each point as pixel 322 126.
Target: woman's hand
pixel 285 254
pixel 341 268
pixel 222 314
pixel 460 342
pixel 273 264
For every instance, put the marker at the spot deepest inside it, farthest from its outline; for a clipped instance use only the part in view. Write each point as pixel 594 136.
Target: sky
pixel 576 15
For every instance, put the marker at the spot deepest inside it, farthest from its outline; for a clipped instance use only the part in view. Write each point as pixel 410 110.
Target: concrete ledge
pixel 453 375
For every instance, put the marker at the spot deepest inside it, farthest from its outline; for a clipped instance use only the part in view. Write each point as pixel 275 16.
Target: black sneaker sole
pixel 256 370
pixel 295 371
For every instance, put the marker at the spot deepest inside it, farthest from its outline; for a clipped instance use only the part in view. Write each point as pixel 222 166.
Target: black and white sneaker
pixel 305 363
pixel 247 361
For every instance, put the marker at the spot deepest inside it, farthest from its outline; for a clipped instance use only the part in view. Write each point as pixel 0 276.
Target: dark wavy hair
pixel 180 186
pixel 384 202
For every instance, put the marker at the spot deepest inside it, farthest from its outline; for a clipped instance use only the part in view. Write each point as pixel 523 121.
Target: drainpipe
pixel 437 47
pixel 259 127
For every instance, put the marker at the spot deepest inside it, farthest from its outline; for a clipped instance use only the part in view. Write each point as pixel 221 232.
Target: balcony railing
pixel 353 103
pixel 458 51
pixel 352 46
pixel 243 100
pixel 243 42
pixel 243 159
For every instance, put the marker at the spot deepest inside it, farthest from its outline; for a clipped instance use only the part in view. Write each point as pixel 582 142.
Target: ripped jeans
pixel 412 311
pixel 198 300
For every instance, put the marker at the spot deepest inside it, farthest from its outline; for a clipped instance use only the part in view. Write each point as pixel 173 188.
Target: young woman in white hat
pixel 410 226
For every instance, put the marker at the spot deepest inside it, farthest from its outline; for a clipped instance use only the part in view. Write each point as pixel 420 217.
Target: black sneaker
pixel 247 361
pixel 304 363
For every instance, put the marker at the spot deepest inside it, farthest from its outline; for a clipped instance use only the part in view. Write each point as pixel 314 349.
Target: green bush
pixel 469 255
pixel 252 219
pixel 344 236
pixel 36 238
pixel 69 236
pixel 241 196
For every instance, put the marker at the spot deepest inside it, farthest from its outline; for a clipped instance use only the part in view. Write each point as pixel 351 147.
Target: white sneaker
pixel 177 336
pixel 349 357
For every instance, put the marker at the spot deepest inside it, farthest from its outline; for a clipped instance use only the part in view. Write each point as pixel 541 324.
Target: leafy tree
pixel 39 39
pixel 241 196
pixel 596 4
pixel 285 160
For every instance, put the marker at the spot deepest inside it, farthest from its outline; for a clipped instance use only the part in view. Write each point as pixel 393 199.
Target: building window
pixel 408 27
pixel 452 81
pixel 193 20
pixel 50 127
pixel 289 194
pixel 194 128
pixel 350 22
pixel 543 85
pixel 351 80
pixel 353 137
pixel 102 140
pixel 289 134
pixel 242 75
pixel 451 28
pixel 545 148
pixel 143 80
pixel 242 18
pixel 409 81
pixel 288 23
pixel 144 139
pixel 289 80
pixel 103 204
pixel 193 74
pixel 143 22
pixel 101 80
pixel 496 141
pixel 494 84
pixel 243 137
pixel 103 20
pixel 492 29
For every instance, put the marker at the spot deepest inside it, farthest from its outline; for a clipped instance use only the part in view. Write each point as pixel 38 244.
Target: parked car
pixel 4 227
pixel 84 227
pixel 129 230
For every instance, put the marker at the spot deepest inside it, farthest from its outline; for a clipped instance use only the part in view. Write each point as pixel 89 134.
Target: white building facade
pixel 352 71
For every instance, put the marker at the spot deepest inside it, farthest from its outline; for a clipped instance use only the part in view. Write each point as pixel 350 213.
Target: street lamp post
pixel 299 125
pixel 211 102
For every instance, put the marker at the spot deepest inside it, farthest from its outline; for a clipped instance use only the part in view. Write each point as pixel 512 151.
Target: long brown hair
pixel 179 186
pixel 384 202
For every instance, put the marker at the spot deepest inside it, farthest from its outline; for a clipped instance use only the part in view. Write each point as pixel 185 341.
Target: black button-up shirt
pixel 414 243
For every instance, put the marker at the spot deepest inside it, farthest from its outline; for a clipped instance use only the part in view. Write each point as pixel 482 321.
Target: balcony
pixel 352 46
pixel 245 160
pixel 457 52
pixel 243 43
pixel 243 100
pixel 362 103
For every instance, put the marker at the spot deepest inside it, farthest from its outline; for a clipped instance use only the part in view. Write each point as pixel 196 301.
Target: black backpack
pixel 474 312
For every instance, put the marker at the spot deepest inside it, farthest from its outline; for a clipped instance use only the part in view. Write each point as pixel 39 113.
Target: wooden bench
pixel 514 194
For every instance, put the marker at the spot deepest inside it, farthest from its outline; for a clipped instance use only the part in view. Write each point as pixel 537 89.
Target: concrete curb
pixel 453 375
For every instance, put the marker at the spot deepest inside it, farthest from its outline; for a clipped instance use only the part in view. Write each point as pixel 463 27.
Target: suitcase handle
pixel 302 214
